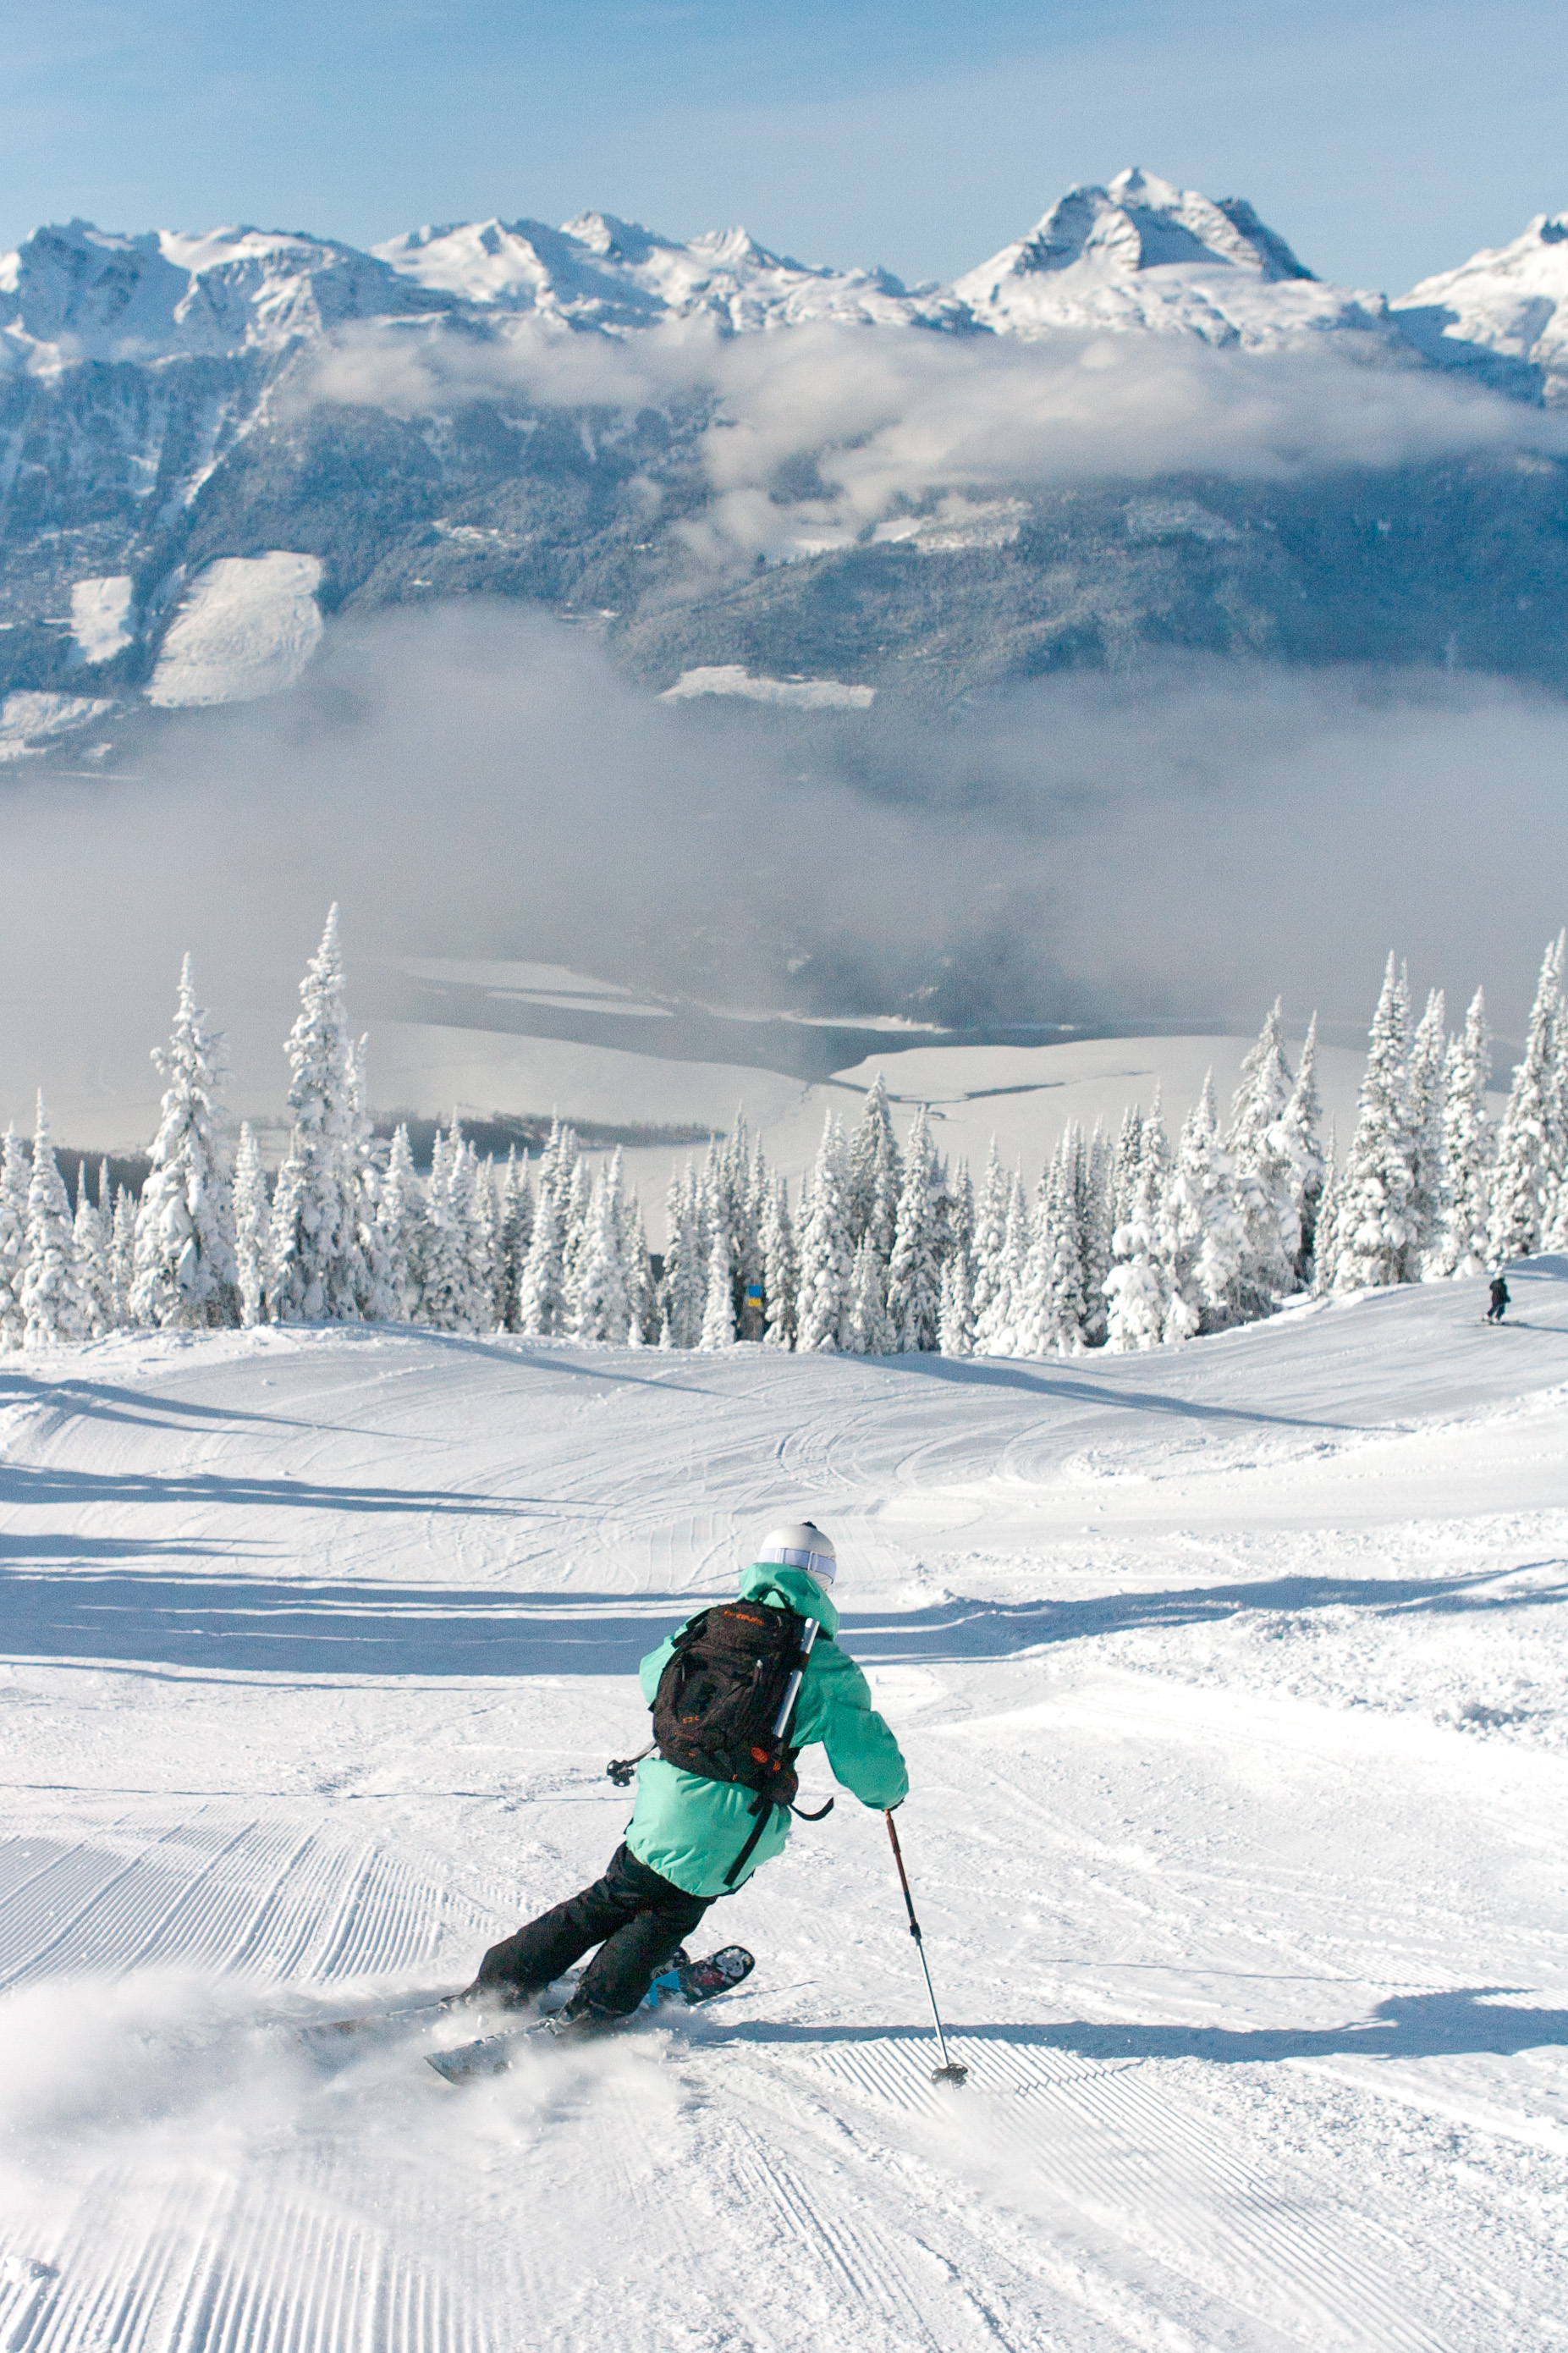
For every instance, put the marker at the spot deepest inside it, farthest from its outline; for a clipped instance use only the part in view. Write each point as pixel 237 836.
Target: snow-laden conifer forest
pixel 1125 1240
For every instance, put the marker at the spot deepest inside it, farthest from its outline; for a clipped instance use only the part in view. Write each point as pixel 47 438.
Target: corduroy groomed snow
pixel 802 1545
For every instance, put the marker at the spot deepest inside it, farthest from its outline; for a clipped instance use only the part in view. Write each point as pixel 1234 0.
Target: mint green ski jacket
pixel 690 1829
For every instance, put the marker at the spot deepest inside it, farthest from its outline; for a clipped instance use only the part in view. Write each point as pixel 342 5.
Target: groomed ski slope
pixel 1232 1682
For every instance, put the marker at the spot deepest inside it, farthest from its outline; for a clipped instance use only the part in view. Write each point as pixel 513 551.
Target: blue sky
pixel 1384 140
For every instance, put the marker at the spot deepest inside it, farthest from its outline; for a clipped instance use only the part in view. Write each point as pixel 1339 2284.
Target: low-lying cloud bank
pixel 475 782
pixel 810 439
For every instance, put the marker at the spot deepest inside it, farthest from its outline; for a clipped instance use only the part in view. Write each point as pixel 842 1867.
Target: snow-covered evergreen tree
pixel 444 1295
pixel 54 1306
pixel 960 1222
pixel 914 1282
pixel 1428 1058
pixel 1000 1336
pixel 1138 1286
pixel 826 1261
pixel 719 1299
pixel 867 1330
pixel 1375 1227
pixel 1124 1166
pixel 365 1170
pixel 1201 1235
pixel 15 1173
pixel 252 1225
pixel 876 1176
pixel 600 1309
pixel 1264 1180
pixel 684 1281
pixel 781 1270
pixel 1030 1333
pixel 1302 1145
pixel 400 1216
pixel 1062 1329
pixel 541 1298
pixel 575 1197
pixel 955 1324
pixel 516 1233
pixel 1529 1166
pixel 487 1264
pixel 1470 1147
pixel 642 1299
pixel 1096 1176
pixel 92 1260
pixel 987 1260
pixel 316 1272
pixel 186 1274
pixel 1326 1233
pixel 122 1252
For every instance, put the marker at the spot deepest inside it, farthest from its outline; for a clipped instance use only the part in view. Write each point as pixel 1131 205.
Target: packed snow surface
pixel 1232 1685
pixel 246 627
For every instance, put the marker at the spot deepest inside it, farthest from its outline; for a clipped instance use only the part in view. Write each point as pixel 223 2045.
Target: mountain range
pixel 198 459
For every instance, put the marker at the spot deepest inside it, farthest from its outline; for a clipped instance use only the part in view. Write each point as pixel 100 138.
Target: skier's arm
pixel 862 1750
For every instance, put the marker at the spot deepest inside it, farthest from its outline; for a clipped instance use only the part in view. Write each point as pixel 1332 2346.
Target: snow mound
pixel 1503 313
pixel 246 627
pixel 28 721
pixel 100 616
pixel 1145 253
pixel 802 693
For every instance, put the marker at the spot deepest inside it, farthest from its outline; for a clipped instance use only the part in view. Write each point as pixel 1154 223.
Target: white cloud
pixel 892 416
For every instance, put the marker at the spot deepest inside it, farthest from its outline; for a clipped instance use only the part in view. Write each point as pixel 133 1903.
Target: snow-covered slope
pixel 1503 314
pixel 1142 254
pixel 1232 1685
pixel 246 627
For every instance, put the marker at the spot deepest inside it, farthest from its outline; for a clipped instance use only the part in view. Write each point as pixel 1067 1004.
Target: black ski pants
pixel 634 1916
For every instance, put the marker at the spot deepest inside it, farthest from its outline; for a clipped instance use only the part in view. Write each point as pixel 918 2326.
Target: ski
pixel 365 2021
pixel 691 1982
pixel 695 1981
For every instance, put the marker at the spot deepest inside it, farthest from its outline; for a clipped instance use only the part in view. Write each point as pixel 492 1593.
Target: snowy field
pixel 1232 1683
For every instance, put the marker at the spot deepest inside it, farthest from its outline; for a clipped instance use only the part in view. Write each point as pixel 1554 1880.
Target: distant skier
pixel 1500 1298
pixel 714 1792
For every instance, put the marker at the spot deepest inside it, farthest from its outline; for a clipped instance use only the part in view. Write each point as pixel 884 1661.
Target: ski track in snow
pixel 1232 1683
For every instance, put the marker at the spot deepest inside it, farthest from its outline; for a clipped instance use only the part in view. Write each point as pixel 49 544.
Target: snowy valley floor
pixel 1233 1685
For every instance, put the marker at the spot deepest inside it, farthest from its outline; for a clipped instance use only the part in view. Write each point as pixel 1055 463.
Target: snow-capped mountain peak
pixel 1141 253
pixel 599 271
pixel 1503 314
pixel 79 292
pixel 613 240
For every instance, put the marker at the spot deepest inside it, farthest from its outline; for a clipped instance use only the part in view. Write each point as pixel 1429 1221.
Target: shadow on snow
pixel 263 1625
pixel 1463 2022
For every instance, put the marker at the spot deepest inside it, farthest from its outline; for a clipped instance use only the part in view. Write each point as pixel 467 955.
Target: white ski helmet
pixel 801 1545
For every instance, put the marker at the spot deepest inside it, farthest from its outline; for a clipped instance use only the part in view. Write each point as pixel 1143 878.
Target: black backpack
pixel 719 1695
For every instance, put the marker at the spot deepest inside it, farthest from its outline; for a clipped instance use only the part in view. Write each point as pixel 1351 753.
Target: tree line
pixel 1126 1242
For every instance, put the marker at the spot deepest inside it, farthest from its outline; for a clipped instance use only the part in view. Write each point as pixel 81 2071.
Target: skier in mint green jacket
pixel 696 1835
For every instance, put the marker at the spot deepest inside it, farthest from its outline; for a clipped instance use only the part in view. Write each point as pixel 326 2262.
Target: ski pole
pixel 949 2071
pixel 791 1689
